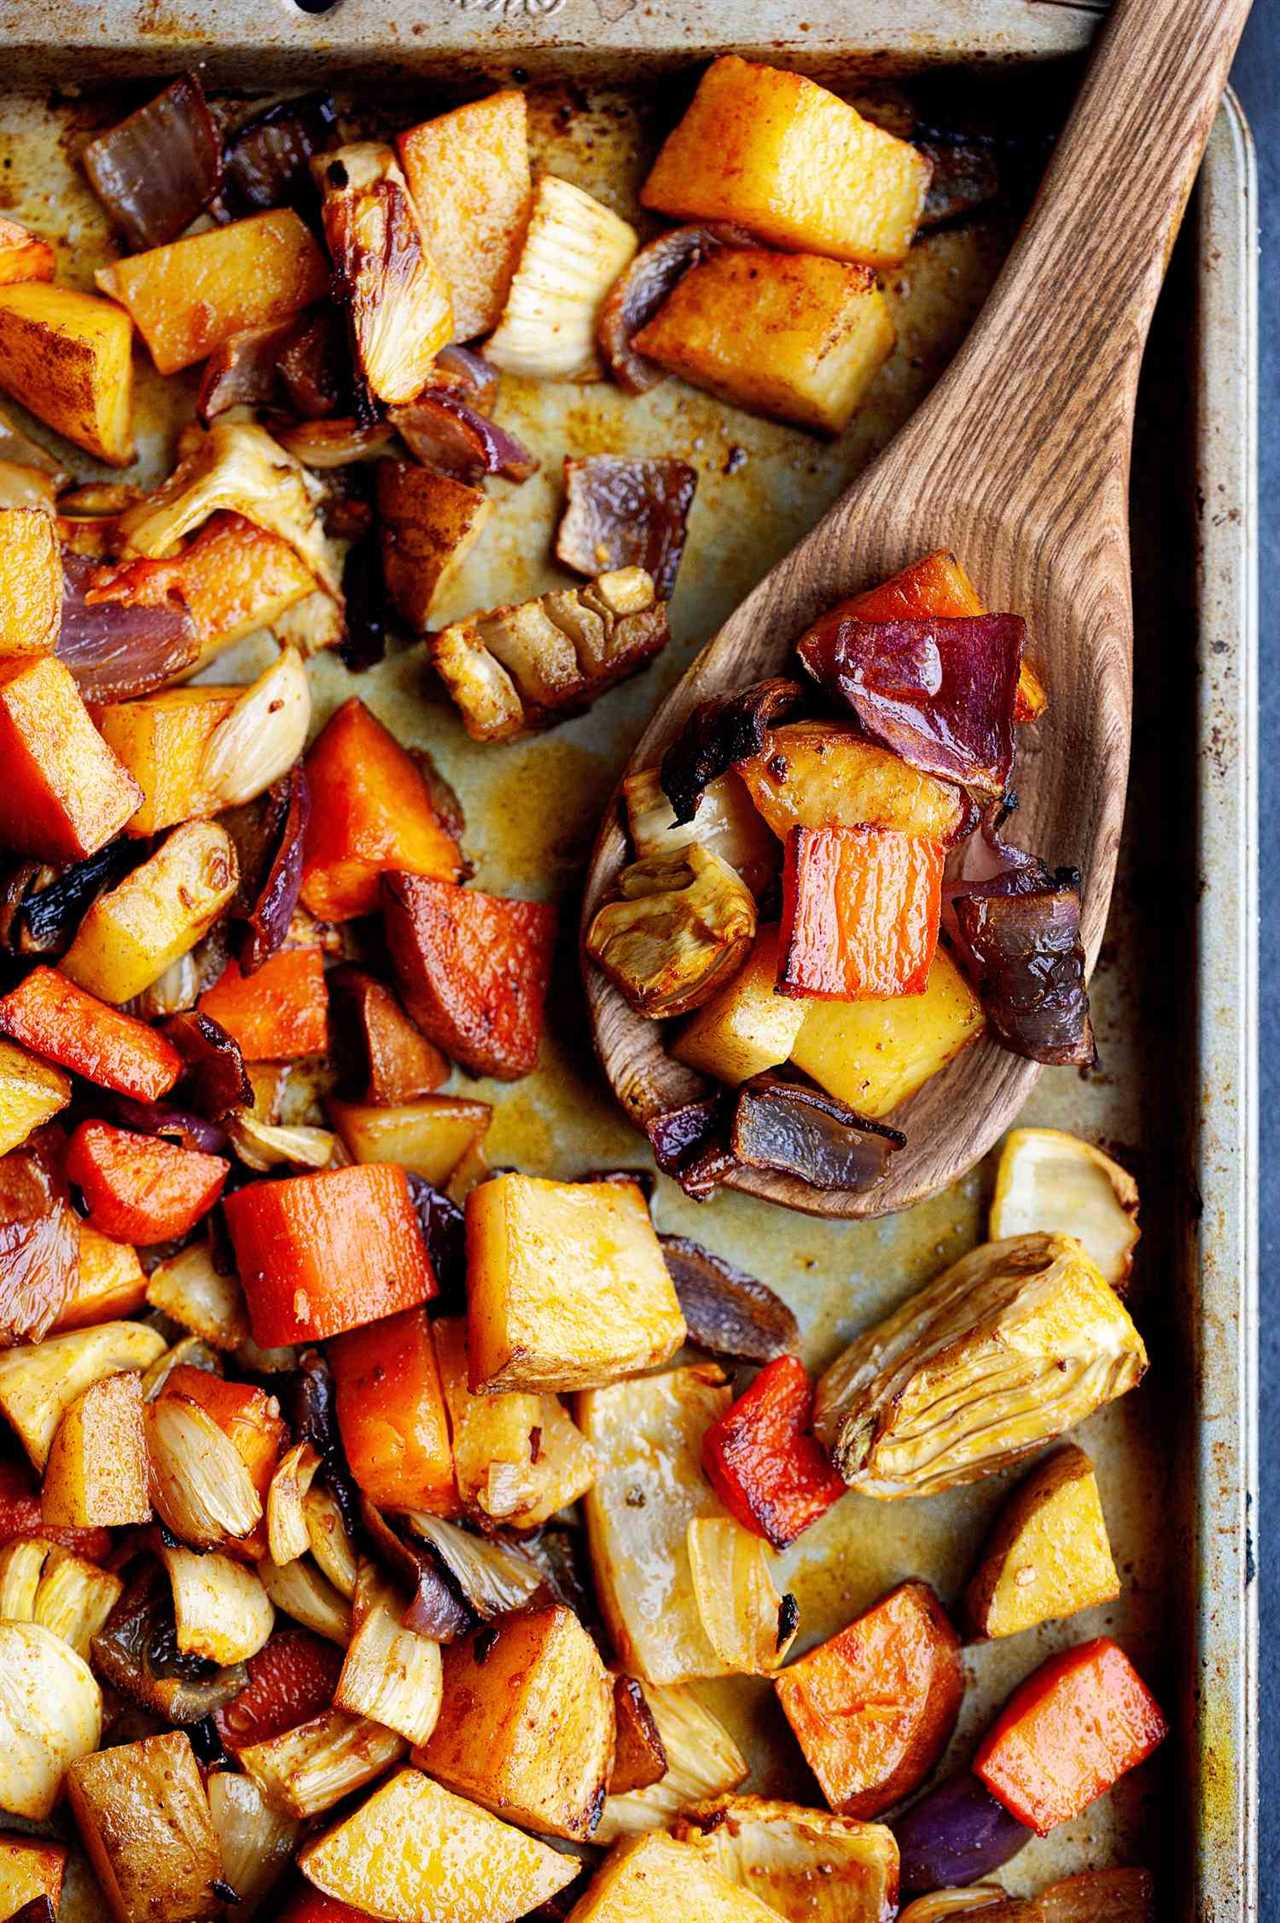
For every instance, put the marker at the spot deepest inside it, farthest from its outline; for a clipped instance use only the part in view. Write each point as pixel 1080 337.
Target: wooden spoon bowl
pixel 1019 462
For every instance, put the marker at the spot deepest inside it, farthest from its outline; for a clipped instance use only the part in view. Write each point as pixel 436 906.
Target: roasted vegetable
pixel 199 1483
pixel 415 1852
pixel 389 1674
pixel 256 1845
pixel 1019 939
pixel 289 1682
pixel 913 1405
pixel 798 1131
pixel 50 1717
pixel 59 1591
pixel 427 525
pixel 808 1866
pixel 39 1384
pixel 824 774
pixel 39 1238
pixel 723 822
pixel 391 1413
pixel 719 732
pixel 727 1311
pixel 22 256
pixel 64 795
pixel 468 172
pixel 428 1138
pixel 268 159
pixel 191 1289
pixel 647 1437
pixel 682 927
pixel 1055 1182
pixel 279 1013
pixel 67 357
pixel 444 431
pixel 516 668
pixel 861 909
pixel 1048 1555
pixel 874 1708
pixel 748 1026
pixel 874 1055
pixel 793 162
pixel 526 1725
pixel 747 1622
pixel 30 1870
pixel 567 1288
pixel 955 1834
pixel 108 1282
pixel 144 1818
pixel 51 1015
pixel 492 1577
pixel 762 1460
pixel 574 249
pixel 156 914
pixel 96 1474
pixel 639 1758
pixel 138 1188
pixel 161 740
pixel 383 1057
pixel 30 582
pixel 641 288
pixel 220 1609
pixel 306 1770
pixel 624 513
pixel 654 1876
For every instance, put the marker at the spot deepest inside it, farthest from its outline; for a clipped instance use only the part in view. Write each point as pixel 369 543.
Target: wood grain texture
pixel 1019 461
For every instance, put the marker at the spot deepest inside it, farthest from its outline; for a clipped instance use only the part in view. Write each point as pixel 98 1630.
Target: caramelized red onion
pixel 242 371
pixel 435 1609
pixel 492 1577
pixel 314 1413
pixel 113 646
pixel 314 369
pixel 801 1131
pixel 939 693
pixel 46 918
pixel 640 290
pixel 728 728
pixel 364 603
pixel 277 878
pixel 178 1125
pixel 443 1228
pixel 215 1080
pixel 966 174
pixel 158 169
pixel 726 1310
pixel 444 430
pixel 268 161
pixel 1024 954
pixel 954 1835
pixel 39 1238
pixel 622 513
pixel 467 371
pixel 681 1136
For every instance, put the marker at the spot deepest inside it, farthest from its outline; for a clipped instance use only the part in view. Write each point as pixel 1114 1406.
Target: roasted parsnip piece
pixel 96 1475
pixel 875 1054
pixel 1011 1345
pixel 468 172
pixel 700 1759
pixel 305 1771
pixel 682 927
pixel 144 1818
pixel 67 357
pixel 1048 1555
pixel 50 1716
pixel 1057 1183
pixel 157 914
pixel 574 249
pixel 809 1866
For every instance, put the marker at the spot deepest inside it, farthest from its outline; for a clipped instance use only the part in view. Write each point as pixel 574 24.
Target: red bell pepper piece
pixel 277 1014
pixel 141 1189
pixel 1079 1723
pixel 291 1679
pixel 860 913
pixel 762 1461
pixel 313 1906
pixel 51 1016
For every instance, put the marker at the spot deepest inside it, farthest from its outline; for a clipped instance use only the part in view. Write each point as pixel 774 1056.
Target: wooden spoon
pixel 1019 461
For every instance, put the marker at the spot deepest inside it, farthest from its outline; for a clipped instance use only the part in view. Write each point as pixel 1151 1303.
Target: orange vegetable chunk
pixel 52 1017
pixel 874 1708
pixel 108 1284
pixel 468 173
pixel 139 1188
pixel 1072 1729
pixel 860 912
pixel 370 810
pixel 23 256
pixel 763 1462
pixel 64 794
pixel 278 1013
pixel 319 1254
pixel 391 1413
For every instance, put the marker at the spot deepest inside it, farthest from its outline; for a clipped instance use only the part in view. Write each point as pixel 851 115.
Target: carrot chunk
pixel 52 1017
pixel 278 1013
pixel 291 1679
pixel 319 1254
pixel 472 969
pixel 141 1189
pixel 1079 1723
pixel 860 913
pixel 392 1416
pixel 370 810
pixel 763 1463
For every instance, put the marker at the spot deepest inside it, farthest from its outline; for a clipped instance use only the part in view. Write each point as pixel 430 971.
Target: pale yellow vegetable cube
pixel 30 581
pixel 1048 1555
pixel 748 1026
pixel 874 1055
pixel 97 1470
pixel 31 1092
pixel 68 357
pixel 30 1867
pixel 653 1879
pixel 468 172
pixel 161 739
pixel 155 915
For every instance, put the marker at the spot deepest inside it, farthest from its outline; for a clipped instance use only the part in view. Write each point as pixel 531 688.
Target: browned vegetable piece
pixel 649 1877
pixel 727 1311
pixel 428 524
pixel 625 512
pixel 468 172
pixel 682 927
pixel 810 1866
pixel 64 794
pixel 242 371
pixel 144 1817
pixel 641 288
pixel 526 1725
pixel 30 582
pixel 382 1054
pixel 802 1131
pixel 137 1653
pixel 160 167
pixel 97 1468
pixel 721 731
pixel 22 255
pixel 638 1756
pixel 39 1238
pixel 307 1769
pixel 30 1873
pixel 1048 1554
pixel 446 431
pixel 67 356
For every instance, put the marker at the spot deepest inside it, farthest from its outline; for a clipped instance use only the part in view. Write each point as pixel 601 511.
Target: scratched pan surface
pixel 1174 984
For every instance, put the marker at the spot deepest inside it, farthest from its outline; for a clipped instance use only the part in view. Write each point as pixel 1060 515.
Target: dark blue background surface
pixel 1257 79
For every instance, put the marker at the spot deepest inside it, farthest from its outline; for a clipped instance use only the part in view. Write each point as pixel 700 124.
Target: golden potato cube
pixel 791 335
pixel 144 1819
pixel 654 1879
pixel 649 1486
pixel 747 1027
pixel 428 523
pixel 1048 1555
pixel 191 296
pixel 823 774
pixel 68 357
pixel 793 162
pixel 31 1092
pixel 526 1725
pixel 108 1282
pixel 161 739
pixel 22 255
pixel 428 1137
pixel 808 1865
pixel 30 582
pixel 30 1868
pixel 96 1475
pixel 418 1854
pixel 64 795
pixel 468 173
pixel 567 1288
pixel 874 1055
pixel 155 915
pixel 517 1458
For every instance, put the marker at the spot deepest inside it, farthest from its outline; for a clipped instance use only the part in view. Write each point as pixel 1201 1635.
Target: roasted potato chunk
pixel 427 524
pixel 67 356
pixel 31 1092
pixel 876 1054
pixel 822 774
pixel 50 1717
pixel 682 926
pixel 428 1137
pixel 748 1026
pixel 161 740
pixel 567 1288
pixel 789 335
pixel 808 1866
pixel 64 794
pixel 108 1282
pixel 526 1727
pixel 144 1818
pixel 794 163
pixel 155 915
pixel 1048 1555
pixel 647 1436
pixel 30 582
pixel 1056 1182
pixel 29 1866
pixel 96 1475
pixel 653 1876
pixel 39 1384
pixel 22 255
pixel 468 172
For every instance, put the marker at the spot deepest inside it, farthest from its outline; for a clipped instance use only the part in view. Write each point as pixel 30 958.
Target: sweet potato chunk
pixel 67 357
pixel 526 1725
pixel 790 335
pixel 31 1093
pixel 823 774
pixel 808 1866
pixel 189 297
pixel 30 582
pixel 875 1054
pixel 280 1013
pixel 156 914
pixel 468 172
pixel 96 1474
pixel 161 741
pixel 418 1854
pixel 64 794
pixel 22 255
pixel 1048 1555
pixel 29 1866
pixel 391 1414
pixel 144 1819
pixel 748 1026
pixel 651 1877
pixel 567 1287
pixel 380 1051
pixel 794 163
pixel 472 968
pixel 874 1707
pixel 427 523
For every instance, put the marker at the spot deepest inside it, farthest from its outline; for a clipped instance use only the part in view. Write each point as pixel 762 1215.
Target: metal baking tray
pixel 1175 991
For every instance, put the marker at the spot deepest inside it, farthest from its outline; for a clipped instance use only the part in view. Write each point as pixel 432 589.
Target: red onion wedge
pixel 242 371
pixel 954 1835
pixel 444 430
pixel 468 373
pixel 280 876
pixel 215 1080
pixel 623 513
pixel 802 1131
pixel 1024 954
pixel 640 290
pixel 178 1125
pixel 727 1312
pixel 116 647
pixel 158 169
pixel 268 161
